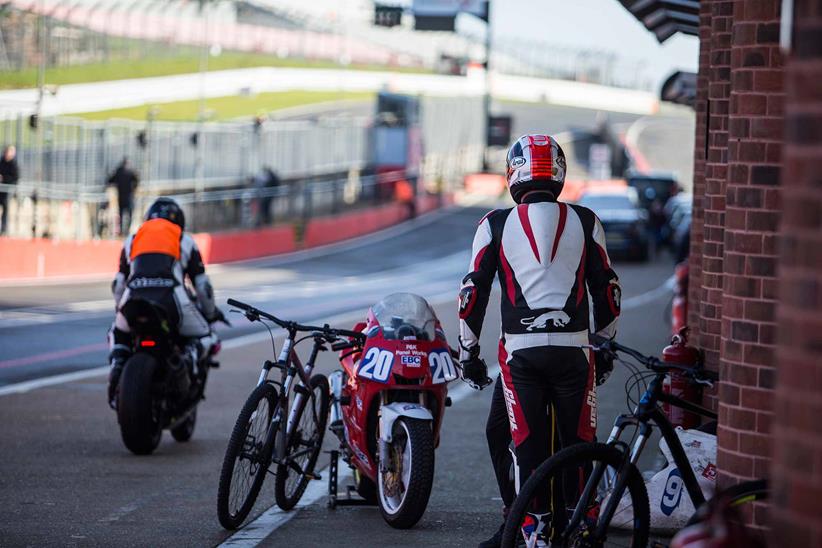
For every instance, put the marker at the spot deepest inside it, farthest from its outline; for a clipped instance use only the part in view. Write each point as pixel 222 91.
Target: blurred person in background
pixel 404 193
pixel 656 222
pixel 266 179
pixel 9 175
pixel 126 181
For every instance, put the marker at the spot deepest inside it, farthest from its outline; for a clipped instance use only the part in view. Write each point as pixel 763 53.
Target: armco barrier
pixel 342 227
pixel 22 259
pixel 41 258
pixel 224 247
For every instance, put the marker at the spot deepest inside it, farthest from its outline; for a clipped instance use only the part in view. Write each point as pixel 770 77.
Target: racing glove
pixel 603 365
pixel 474 368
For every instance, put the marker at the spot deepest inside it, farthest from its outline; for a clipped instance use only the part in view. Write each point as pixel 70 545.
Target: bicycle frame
pixel 290 366
pixel 645 414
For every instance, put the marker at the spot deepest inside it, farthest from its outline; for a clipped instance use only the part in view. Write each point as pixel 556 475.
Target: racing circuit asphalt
pixel 66 479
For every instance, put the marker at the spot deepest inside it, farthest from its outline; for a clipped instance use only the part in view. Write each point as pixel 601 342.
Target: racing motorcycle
pixel 388 402
pixel 162 383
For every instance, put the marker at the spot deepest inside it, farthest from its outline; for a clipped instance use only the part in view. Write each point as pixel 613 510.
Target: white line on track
pixel 253 338
pixel 20 387
pixel 235 342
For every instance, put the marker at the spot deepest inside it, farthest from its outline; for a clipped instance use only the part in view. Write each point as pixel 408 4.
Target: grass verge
pixel 146 67
pixel 225 108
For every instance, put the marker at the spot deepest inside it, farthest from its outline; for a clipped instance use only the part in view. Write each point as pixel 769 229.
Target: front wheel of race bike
pixel 403 490
pixel 247 457
pixel 545 505
pixel 310 415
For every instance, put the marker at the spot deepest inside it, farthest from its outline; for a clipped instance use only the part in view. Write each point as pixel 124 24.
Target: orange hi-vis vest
pixel 157 236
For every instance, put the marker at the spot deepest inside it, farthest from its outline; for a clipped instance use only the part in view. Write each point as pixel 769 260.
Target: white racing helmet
pixel 535 162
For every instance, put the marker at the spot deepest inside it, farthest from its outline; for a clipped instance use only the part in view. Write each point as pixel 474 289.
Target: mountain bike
pixel 592 494
pixel 273 428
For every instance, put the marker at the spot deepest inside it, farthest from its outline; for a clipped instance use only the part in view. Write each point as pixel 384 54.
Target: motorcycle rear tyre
pixel 140 428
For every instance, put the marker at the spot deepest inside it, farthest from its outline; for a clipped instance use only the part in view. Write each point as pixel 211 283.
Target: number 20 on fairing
pixel 376 365
pixel 442 367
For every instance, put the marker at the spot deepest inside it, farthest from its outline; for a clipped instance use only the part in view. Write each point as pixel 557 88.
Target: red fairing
pixel 391 365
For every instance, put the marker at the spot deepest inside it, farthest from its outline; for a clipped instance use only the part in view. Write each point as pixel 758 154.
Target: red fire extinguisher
pixel 677 384
pixel 679 306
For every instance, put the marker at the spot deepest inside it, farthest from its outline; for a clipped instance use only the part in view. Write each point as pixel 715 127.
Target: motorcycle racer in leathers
pixel 549 256
pixel 154 263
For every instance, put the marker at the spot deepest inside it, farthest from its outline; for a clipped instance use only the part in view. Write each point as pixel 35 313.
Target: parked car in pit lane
pixel 624 221
pixel 656 186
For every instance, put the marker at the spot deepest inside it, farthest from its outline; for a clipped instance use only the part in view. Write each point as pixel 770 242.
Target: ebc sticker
pixel 376 365
pixel 442 367
pixel 411 361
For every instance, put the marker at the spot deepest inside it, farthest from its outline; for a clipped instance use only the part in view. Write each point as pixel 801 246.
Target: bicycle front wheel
pixel 247 457
pixel 310 416
pixel 563 499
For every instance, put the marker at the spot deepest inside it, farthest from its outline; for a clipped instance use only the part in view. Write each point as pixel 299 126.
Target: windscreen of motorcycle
pixel 405 316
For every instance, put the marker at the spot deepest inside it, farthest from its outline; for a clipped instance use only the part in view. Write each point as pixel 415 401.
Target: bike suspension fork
pixel 335 379
pixel 384 453
pixel 621 483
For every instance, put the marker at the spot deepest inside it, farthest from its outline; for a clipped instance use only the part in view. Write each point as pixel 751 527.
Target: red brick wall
pixel 749 263
pixel 716 170
pixel 797 465
pixel 700 154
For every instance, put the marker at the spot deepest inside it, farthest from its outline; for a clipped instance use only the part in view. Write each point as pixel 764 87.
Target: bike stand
pixel 350 498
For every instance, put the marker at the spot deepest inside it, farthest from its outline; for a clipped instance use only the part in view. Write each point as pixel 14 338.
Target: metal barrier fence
pixel 69 152
pixel 79 155
pixel 65 163
pixel 63 214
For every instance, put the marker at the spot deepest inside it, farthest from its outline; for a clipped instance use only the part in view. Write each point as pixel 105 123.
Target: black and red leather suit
pixel 549 256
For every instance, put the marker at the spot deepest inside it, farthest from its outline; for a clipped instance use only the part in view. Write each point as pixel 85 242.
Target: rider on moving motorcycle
pixel 548 256
pixel 154 263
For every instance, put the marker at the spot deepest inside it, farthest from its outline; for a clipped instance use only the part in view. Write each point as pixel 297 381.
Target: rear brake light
pixel 148 343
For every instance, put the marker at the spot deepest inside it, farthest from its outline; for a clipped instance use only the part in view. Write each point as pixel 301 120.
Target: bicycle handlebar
pixel 254 314
pixel 651 362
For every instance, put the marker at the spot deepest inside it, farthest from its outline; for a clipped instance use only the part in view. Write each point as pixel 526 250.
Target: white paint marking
pixel 120 512
pixel 27 386
pixel 273 518
pixel 642 299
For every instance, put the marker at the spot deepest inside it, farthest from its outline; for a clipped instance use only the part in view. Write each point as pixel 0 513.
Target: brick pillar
pixel 700 154
pixel 797 465
pixel 716 170
pixel 752 213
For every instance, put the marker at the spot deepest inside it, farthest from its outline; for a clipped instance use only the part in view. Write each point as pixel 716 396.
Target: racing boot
pixel 117 358
pixel 534 530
